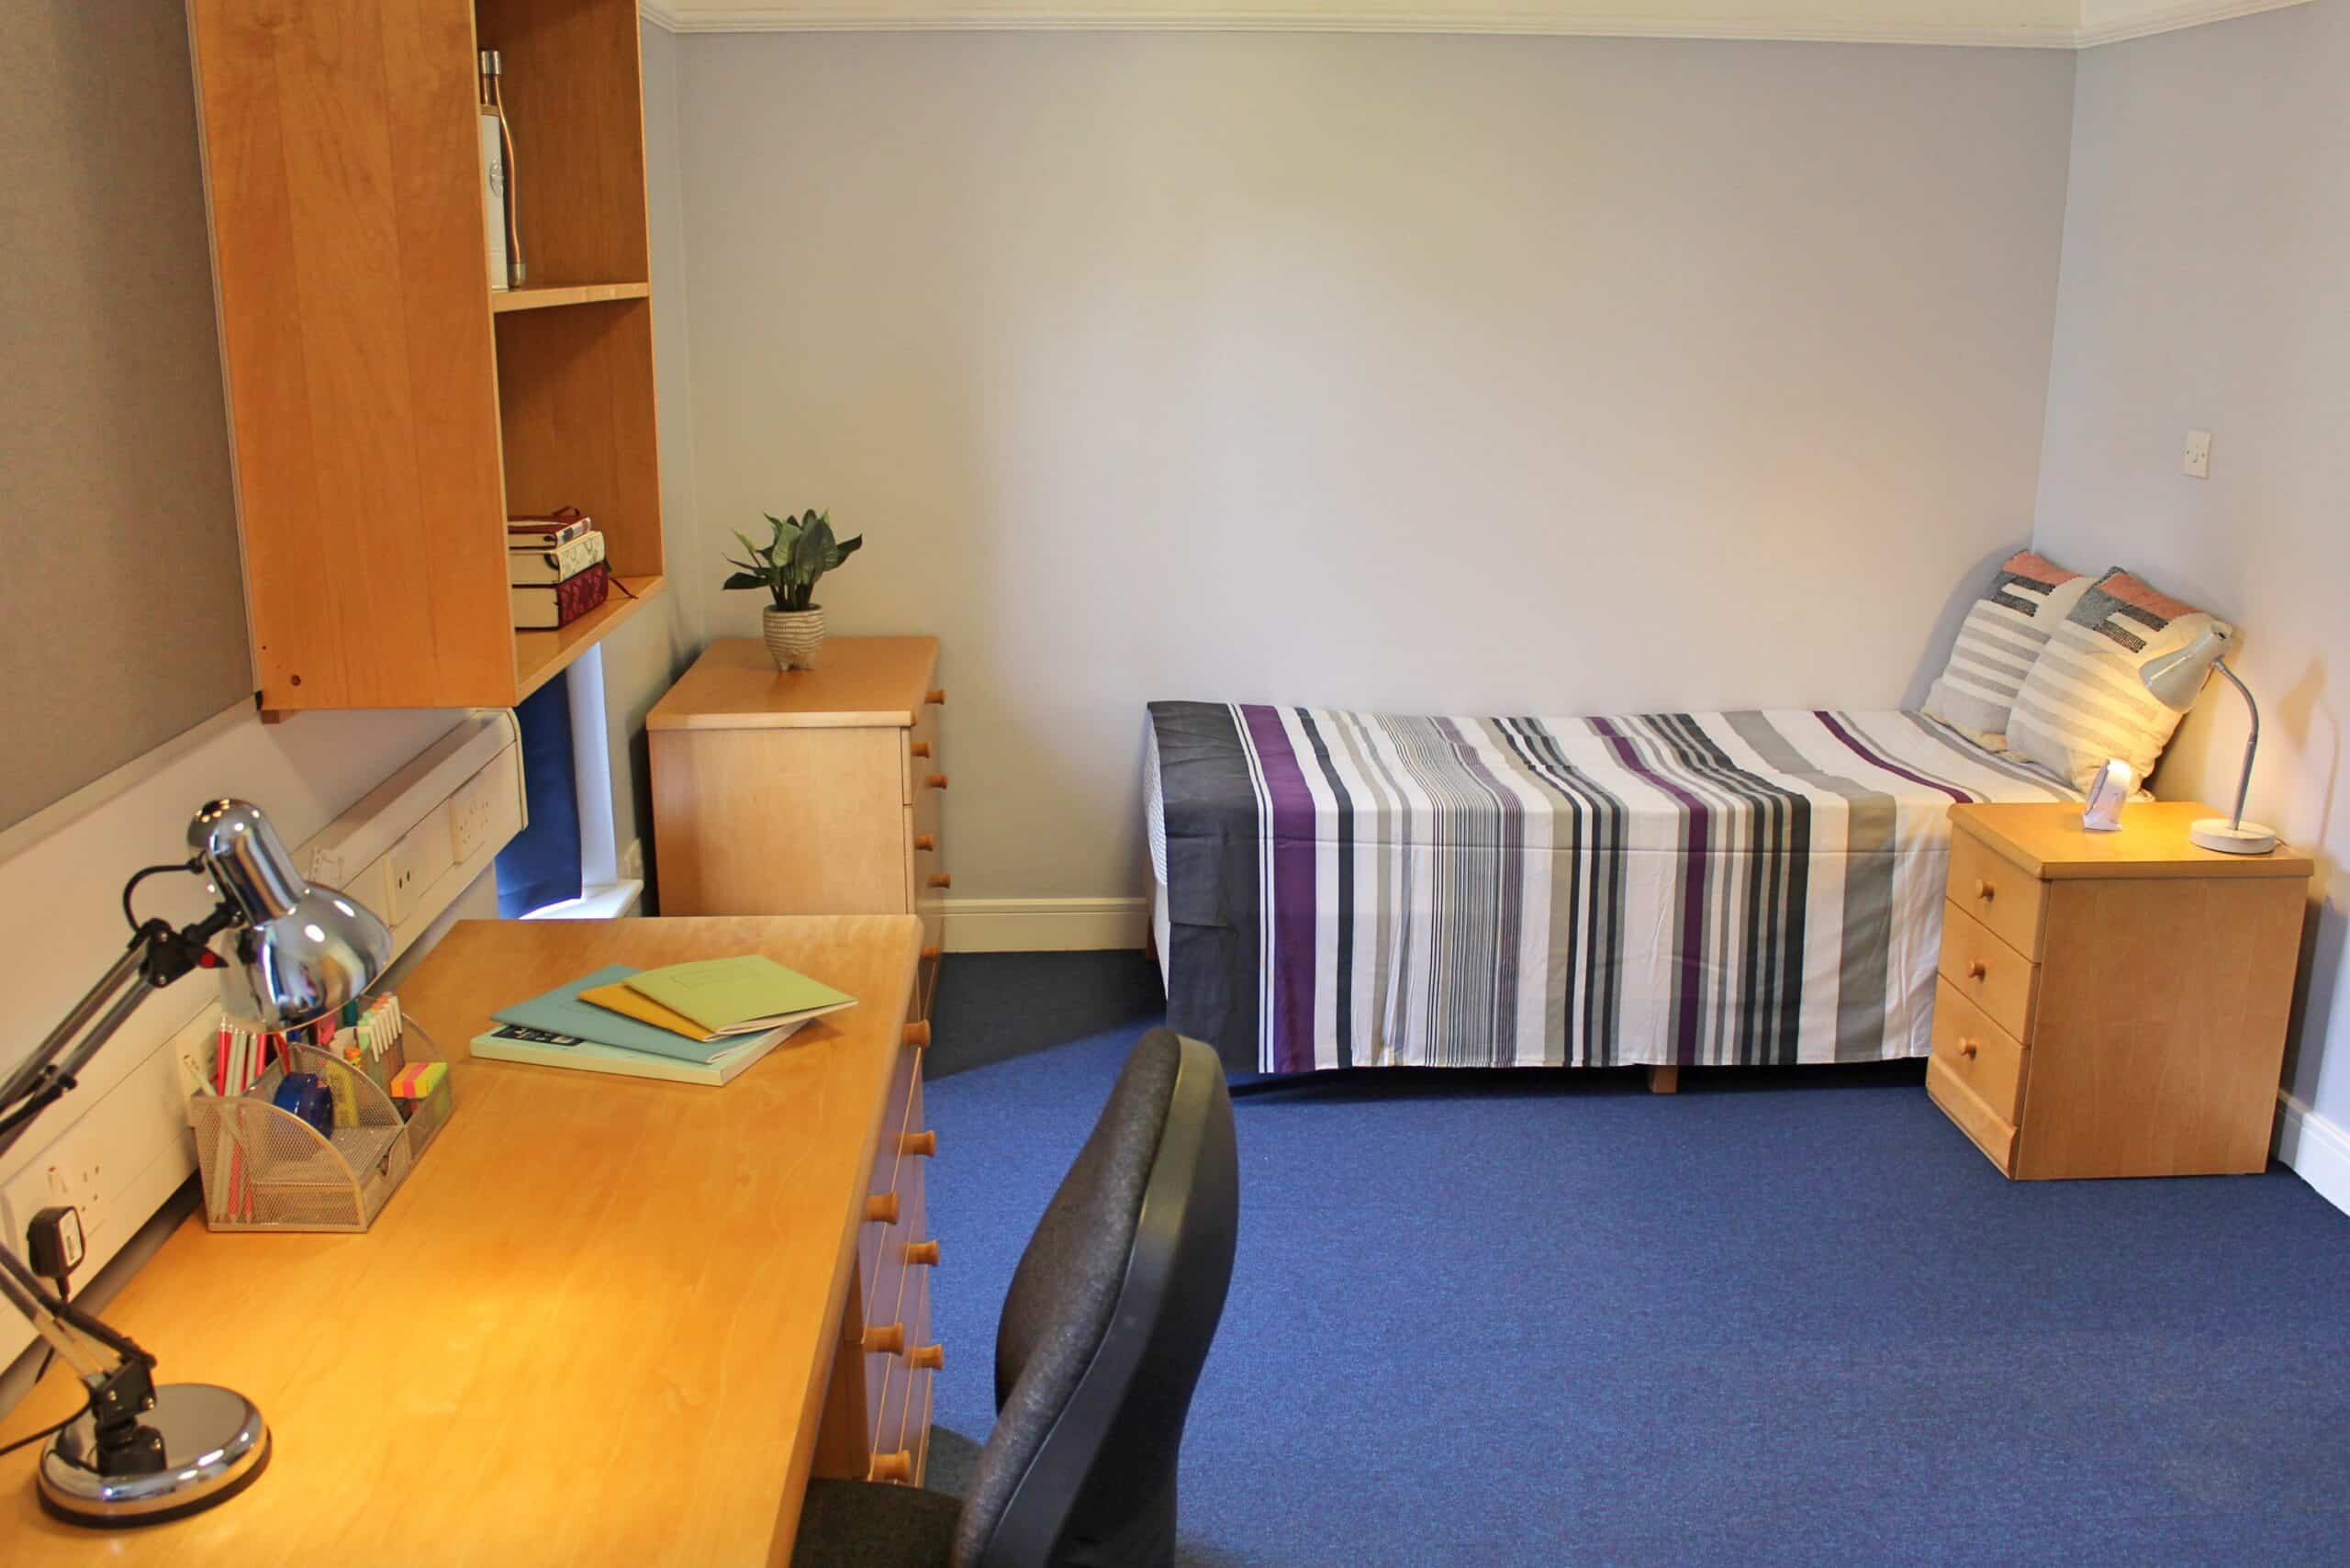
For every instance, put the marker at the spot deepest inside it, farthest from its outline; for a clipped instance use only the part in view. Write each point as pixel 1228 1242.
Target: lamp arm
pixel 2252 742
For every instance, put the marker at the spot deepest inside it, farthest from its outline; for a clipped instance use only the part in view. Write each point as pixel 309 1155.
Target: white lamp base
pixel 2233 838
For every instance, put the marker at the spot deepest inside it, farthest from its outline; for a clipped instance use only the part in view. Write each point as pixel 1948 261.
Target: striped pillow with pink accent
pixel 1999 643
pixel 2084 702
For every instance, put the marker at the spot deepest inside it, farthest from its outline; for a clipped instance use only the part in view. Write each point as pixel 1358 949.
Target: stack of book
pixel 698 1023
pixel 555 568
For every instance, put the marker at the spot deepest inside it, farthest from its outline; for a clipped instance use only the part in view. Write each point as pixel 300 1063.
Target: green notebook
pixel 560 1012
pixel 728 994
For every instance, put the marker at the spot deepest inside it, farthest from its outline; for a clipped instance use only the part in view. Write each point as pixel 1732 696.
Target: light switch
pixel 2198 455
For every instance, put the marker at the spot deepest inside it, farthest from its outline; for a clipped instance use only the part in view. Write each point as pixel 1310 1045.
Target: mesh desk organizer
pixel 266 1168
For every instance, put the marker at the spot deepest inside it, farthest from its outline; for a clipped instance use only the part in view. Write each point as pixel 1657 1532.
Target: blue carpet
pixel 1546 1318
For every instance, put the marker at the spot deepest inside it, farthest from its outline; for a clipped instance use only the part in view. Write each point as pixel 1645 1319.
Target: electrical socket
pixel 472 812
pixel 417 862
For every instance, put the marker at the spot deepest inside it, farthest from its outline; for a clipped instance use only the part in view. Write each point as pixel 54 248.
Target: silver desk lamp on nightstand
pixel 288 954
pixel 2176 679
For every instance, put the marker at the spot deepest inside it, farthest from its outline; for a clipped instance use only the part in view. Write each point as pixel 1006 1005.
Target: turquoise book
pixel 560 1012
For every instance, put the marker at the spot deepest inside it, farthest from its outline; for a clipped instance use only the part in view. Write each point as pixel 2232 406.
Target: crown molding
pixel 2120 20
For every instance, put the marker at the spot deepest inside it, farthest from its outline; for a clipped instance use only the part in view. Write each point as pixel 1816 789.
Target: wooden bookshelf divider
pixel 388 409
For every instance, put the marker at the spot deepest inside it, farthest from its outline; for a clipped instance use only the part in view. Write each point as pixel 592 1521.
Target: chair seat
pixel 858 1524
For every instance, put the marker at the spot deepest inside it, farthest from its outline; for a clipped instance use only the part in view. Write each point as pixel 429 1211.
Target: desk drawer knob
pixel 934 780
pixel 882 1207
pixel 930 1357
pixel 1969 1049
pixel 899 1466
pixel 941 880
pixel 926 842
pixel 922 1254
pixel 1978 970
pixel 887 1340
pixel 936 698
pixel 922 1143
pixel 918 748
pixel 932 954
pixel 918 1033
pixel 1985 891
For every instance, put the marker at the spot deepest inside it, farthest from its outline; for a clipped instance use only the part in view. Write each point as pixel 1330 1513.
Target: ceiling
pixel 2031 23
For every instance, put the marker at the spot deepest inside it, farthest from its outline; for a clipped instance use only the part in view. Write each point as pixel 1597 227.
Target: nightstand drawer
pixel 1997 891
pixel 1980 1054
pixel 1987 972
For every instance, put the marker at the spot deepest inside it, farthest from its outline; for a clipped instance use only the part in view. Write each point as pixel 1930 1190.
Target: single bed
pixel 1343 889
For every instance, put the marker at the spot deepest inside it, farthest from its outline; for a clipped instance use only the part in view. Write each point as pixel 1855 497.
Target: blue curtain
pixel 541 864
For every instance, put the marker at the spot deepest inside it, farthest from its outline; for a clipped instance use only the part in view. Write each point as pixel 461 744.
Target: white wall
pixel 1402 372
pixel 2206 247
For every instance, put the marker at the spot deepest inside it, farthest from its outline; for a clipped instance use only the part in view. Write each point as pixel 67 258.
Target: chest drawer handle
pixel 1968 1049
pixel 922 1254
pixel 936 698
pixel 932 1358
pixel 1978 970
pixel 886 1341
pixel 918 1033
pixel 942 879
pixel 883 1207
pixel 933 781
pixel 924 1144
pixel 932 954
pixel 918 748
pixel 925 842
pixel 899 1466
pixel 1985 891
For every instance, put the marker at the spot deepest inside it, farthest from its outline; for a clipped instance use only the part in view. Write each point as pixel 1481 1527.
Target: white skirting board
pixel 2318 1150
pixel 1045 926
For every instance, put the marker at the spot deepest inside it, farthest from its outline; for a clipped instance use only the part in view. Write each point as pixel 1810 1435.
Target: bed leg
pixel 1664 1081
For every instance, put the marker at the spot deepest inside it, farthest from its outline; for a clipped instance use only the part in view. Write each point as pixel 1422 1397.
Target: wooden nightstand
pixel 2113 1004
pixel 816 793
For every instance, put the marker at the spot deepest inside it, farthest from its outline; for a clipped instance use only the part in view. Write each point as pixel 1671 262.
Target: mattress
pixel 1351 890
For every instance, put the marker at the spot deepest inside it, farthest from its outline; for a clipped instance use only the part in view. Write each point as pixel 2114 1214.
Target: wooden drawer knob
pixel 926 842
pixel 918 1033
pixel 1978 969
pixel 938 697
pixel 934 780
pixel 898 1466
pixel 1968 1049
pixel 1985 891
pixel 922 1254
pixel 886 1339
pixel 918 748
pixel 929 1357
pixel 883 1207
pixel 941 880
pixel 924 1144
pixel 932 954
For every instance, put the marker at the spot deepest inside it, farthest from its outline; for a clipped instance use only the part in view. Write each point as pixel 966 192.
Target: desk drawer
pixel 890 1432
pixel 1998 892
pixel 1988 972
pixel 1977 1052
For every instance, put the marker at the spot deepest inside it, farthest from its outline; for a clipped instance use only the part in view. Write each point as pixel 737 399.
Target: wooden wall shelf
pixel 502 301
pixel 388 412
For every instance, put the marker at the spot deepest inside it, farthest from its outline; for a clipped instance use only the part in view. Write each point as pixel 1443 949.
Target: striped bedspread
pixel 1356 890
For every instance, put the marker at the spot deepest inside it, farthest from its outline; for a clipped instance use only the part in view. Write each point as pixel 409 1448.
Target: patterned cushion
pixel 2003 635
pixel 2083 702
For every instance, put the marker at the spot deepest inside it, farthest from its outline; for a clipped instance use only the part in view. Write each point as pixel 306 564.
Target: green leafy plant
pixel 788 565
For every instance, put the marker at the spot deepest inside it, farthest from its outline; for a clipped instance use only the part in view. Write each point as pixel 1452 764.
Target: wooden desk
pixel 606 1320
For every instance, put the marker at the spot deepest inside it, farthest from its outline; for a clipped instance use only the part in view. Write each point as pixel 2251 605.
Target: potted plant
pixel 788 565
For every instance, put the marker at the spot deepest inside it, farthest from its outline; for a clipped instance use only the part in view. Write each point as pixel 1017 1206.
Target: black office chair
pixel 1104 1333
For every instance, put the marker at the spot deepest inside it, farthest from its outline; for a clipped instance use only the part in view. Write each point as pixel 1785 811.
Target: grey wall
pixel 122 592
pixel 2206 286
pixel 1417 373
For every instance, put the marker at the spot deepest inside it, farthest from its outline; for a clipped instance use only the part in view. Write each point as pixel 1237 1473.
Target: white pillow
pixel 2084 702
pixel 1998 645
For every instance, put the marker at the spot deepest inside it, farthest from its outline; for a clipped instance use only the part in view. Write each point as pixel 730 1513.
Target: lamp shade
pixel 299 951
pixel 2176 678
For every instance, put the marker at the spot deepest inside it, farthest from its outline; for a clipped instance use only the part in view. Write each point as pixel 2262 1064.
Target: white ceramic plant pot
pixel 794 635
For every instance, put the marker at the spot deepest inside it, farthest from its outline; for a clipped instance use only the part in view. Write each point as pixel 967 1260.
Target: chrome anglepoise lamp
pixel 288 954
pixel 2176 679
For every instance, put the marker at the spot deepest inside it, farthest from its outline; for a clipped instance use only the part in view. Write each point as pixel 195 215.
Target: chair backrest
pixel 1107 1326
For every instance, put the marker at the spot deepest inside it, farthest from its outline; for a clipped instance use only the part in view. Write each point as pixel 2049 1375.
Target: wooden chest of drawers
pixel 816 793
pixel 2113 1004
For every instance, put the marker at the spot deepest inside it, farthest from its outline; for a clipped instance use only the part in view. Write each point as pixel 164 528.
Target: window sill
pixel 613 903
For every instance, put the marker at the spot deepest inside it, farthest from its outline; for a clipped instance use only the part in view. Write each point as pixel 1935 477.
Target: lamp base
pixel 215 1445
pixel 2233 838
